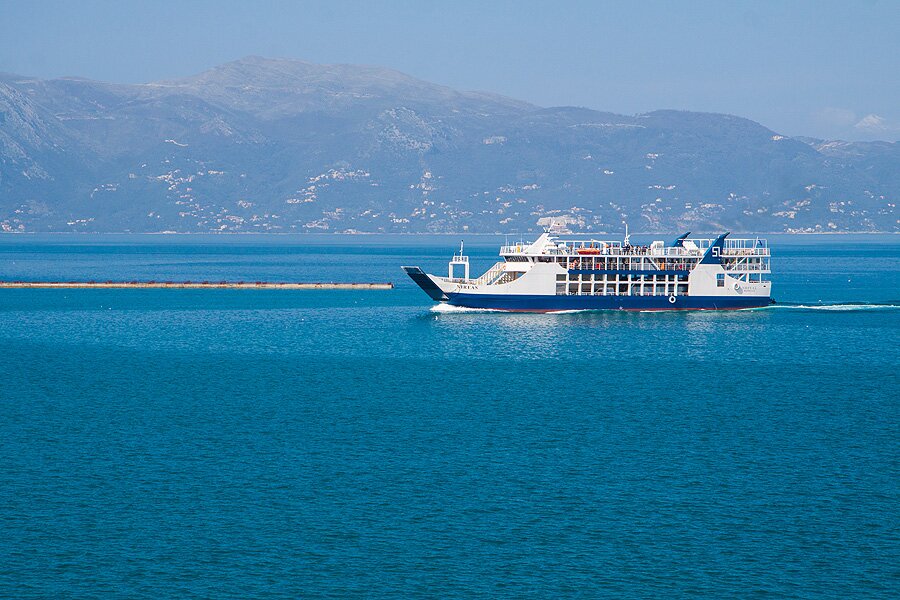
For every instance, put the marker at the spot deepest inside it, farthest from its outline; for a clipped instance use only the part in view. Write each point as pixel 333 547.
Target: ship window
pixel 720 280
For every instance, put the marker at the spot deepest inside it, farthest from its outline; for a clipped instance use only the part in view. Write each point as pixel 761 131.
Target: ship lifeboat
pixel 588 250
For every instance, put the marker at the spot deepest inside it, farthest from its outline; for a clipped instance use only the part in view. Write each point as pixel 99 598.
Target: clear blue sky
pixel 820 68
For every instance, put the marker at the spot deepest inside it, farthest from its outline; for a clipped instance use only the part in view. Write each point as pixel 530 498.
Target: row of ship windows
pixel 622 278
pixel 749 277
pixel 630 263
pixel 621 289
pixel 612 262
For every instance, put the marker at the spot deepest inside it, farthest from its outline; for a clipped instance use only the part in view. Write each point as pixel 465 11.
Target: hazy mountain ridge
pixel 281 145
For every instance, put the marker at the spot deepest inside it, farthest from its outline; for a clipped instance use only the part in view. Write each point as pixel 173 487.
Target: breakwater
pixel 231 285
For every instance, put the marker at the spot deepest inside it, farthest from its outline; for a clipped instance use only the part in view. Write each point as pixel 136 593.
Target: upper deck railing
pixel 691 247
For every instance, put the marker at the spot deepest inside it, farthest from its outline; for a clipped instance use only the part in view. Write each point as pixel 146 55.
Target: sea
pixel 234 443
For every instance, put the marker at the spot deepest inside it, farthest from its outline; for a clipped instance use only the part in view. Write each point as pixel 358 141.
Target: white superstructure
pixel 557 273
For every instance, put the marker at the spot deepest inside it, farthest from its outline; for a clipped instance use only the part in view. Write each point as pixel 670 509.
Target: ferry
pixel 556 273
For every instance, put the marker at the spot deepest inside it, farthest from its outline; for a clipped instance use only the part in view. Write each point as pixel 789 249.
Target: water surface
pixel 236 443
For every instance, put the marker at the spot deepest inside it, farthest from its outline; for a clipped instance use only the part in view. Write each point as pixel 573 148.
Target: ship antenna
pixel 627 237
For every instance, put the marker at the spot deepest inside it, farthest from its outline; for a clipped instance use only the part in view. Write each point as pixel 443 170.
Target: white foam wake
pixel 445 308
pixel 835 307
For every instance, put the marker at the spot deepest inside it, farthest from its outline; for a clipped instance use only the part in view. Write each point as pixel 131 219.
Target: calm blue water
pixel 235 443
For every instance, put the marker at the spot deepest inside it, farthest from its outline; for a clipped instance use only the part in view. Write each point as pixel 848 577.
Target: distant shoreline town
pixel 283 146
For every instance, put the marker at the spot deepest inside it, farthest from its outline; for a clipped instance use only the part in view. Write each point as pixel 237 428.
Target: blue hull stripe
pixel 552 303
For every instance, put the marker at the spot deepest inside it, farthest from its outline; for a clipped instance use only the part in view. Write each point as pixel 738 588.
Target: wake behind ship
pixel 555 274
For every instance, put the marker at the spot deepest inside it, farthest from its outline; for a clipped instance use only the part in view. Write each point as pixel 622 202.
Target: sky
pixel 817 68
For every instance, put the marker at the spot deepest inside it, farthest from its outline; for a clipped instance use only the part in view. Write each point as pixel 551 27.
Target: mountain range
pixel 275 145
